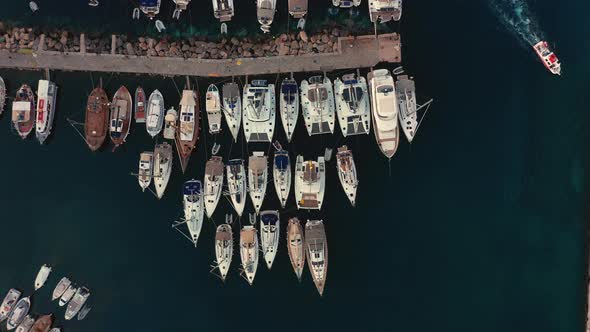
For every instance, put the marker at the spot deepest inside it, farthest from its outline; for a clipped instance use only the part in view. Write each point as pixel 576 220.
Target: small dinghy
pixel 2 95
pixel 223 249
pixel 213 184
pixel 34 7
pixel 301 24
pixel 236 184
pixel 93 3
pixel 146 168
pixel 249 252
pixel 155 114
pixel 282 174
pixel 193 208
pixel 347 173
pixel 223 28
pixel 170 126
pixel 135 14
pixel 215 148
pixel 269 235
pixel 42 276
pixel 295 246
pixel 160 26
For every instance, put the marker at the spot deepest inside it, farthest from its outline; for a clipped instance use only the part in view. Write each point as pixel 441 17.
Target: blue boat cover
pixel 269 218
pixel 148 3
pixel 351 82
pixel 235 162
pixel 192 187
pixel 282 162
pixel 289 87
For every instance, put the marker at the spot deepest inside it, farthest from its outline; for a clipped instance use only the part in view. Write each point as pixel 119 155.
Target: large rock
pixel 283 49
pixel 325 39
pixel 129 49
pixel 234 41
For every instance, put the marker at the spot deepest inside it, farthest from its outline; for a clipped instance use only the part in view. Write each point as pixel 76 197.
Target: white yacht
pixel 42 276
pixel 213 109
pixel 282 174
pixel 46 101
pixel 223 10
pixel 9 303
pixel 298 8
pixel 347 173
pixel 310 182
pixel 265 11
pixel 295 241
pixel 26 324
pixel 236 184
pixel 150 8
pixel 257 178
pixel 61 288
pixel 155 114
pixel 346 3
pixel 162 167
pixel 269 235
pixel 67 295
pixel 352 105
pixel 316 246
pixel 192 193
pixel 317 102
pixel 249 252
pixel 213 184
pixel 259 111
pixel 289 106
pixel 384 107
pixel 405 90
pixel 224 249
pixel 146 169
pixel 381 11
pixel 18 314
pixel 77 302
pixel 232 108
pixel 170 124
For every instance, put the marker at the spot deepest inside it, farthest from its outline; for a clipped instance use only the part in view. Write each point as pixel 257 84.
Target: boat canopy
pixel 235 162
pixel 289 91
pixel 148 3
pixel 318 95
pixel 269 218
pixel 192 187
pixel 282 162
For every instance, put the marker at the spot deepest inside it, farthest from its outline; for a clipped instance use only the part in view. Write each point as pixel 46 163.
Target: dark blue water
pixel 481 225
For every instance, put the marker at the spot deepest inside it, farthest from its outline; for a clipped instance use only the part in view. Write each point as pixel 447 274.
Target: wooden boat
pixel 146 169
pixel 295 241
pixel 139 105
pixel 317 252
pixel 121 115
pixel 347 173
pixel 97 119
pixel 187 133
pixel 23 111
pixel 42 324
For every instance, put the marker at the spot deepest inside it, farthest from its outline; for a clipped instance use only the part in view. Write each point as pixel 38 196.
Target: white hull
pixel 257 178
pixel 193 208
pixel 76 303
pixel 170 124
pixel 8 303
pixel 310 182
pixel 224 248
pixel 316 246
pixel 213 109
pixel 352 105
pixel 162 167
pixel 282 176
pixel 60 289
pixel 347 175
pixel 249 252
pixel 213 184
pixel 155 114
pixel 236 183
pixel 46 101
pixel 269 235
pixel 232 108
pixel 385 108
pixel 259 112
pixel 289 106
pixel 42 276
pixel 317 104
pixel 67 295
pixel 295 246
pixel 406 98
pixel 146 168
pixel 19 313
pixel 265 11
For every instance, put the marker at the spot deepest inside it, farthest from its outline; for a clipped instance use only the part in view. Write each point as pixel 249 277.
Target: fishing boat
pixel 352 105
pixel 347 173
pixel 162 167
pixel 295 241
pixel 140 104
pixel 42 276
pixel 223 10
pixel 236 184
pixel 213 184
pixel 405 90
pixel 265 12
pixel 289 106
pixel 385 108
pixel 18 314
pixel 317 102
pixel 548 58
pixel 310 182
pixel 84 311
pixel 26 324
pixel 188 127
pixel 150 8
pixel 232 108
pixel 249 252
pixel 67 295
pixel 77 302
pixel 282 174
pixel 23 111
pixel 43 323
pixel 269 235
pixel 257 178
pixel 192 201
pixel 213 108
pixel 223 249
pixel 259 111
pixel 146 169
pixel 382 11
pixel 155 114
pixel 46 97
pixel 9 303
pixel 346 3
pixel 97 119
pixel 120 116
pixel 297 8
pixel 316 246
pixel 61 288
pixel 2 95
pixel 170 124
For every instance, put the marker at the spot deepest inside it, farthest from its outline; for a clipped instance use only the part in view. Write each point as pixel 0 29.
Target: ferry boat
pixel 223 10
pixel 382 11
pixel 257 178
pixel 385 108
pixel 67 295
pixel 289 106
pixel 121 115
pixel 43 323
pixel 548 58
pixel 352 105
pixel 139 105
pixel 97 119
pixel 42 276
pixel 269 235
pixel 170 124
pixel 346 3
pixel 192 200
pixel 298 8
pixel 249 252
pixel 213 184
pixel 213 108
pixel 46 97
pixel 224 249
pixel 265 11
pixel 2 95
pixel 61 288
pixel 232 108
pixel 162 167
pixel 295 241
pixel 282 174
pixel 236 184
pixel 317 252
pixel 347 173
pixel 405 90
pixel 317 102
pixel 155 113
pixel 188 127
pixel 26 324
pixel 77 302
pixel 9 303
pixel 310 183
pixel 23 111
pixel 21 309
pixel 259 111
pixel 150 8
pixel 146 169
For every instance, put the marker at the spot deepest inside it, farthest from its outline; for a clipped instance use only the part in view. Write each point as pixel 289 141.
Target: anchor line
pixel 176 86
pixel 109 81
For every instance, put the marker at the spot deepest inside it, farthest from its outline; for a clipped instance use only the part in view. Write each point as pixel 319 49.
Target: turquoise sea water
pixel 481 225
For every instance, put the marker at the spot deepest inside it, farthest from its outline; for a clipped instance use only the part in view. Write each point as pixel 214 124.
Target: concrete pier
pixel 353 52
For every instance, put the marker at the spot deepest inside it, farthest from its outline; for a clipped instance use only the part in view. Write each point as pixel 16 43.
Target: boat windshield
pixel 385 89
pixel 317 95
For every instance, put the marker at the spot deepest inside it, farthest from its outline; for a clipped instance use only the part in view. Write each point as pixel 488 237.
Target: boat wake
pixel 517 17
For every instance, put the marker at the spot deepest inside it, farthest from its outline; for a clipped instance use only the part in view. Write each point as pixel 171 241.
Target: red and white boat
pixel 548 58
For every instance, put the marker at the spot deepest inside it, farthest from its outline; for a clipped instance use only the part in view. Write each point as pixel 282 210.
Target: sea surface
pixel 479 225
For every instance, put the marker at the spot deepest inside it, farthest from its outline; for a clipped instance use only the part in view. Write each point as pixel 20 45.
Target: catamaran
pixel 298 8
pixel 26 324
pixel 289 106
pixel 295 241
pixel 236 184
pixel 188 127
pixel 162 167
pixel 23 111
pixel 265 11
pixel 310 183
pixel 155 114
pixel 269 235
pixel 170 124
pixel 224 248
pixel 42 276
pixel 9 303
pixel 405 90
pixel 192 193
pixel 77 302
pixel 146 169
pixel 18 314
pixel 213 184
pixel 346 3
pixel 232 108
pixel 352 105
pixel 46 97
pixel 139 105
pixel 257 178
pixel 150 8
pixel 548 58
pixel 67 295
pixel 249 252
pixel 385 108
pixel 317 252
pixel 61 288
pixel 282 174
pixel 120 116
pixel 213 108
pixel 259 111
pixel 381 11
pixel 317 102
pixel 2 95
pixel 42 324
pixel 347 172
pixel 223 10
pixel 97 119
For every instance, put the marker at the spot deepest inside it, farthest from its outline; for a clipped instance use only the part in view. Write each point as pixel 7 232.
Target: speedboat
pixel 352 105
pixel 146 169
pixel 170 124
pixel 405 90
pixel 259 111
pixel 232 108
pixel 96 125
pixel 548 58
pixel 316 246
pixel 213 108
pixel 310 182
pixel 265 11
pixel 289 106
pixel 298 8
pixel 223 10
pixel 317 102
pixel 150 8
pixel 346 3
pixel 295 241
pixel 26 324
pixel 42 276
pixel 257 178
pixel 77 302
pixel 61 288
pixel 213 184
pixel 249 252
pixel 187 132
pixel 192 193
pixel 46 97
pixel 9 303
pixel 282 175
pixel 23 111
pixel 42 324
pixel 162 167
pixel 236 184
pixel 155 114
pixel 2 95
pixel 224 248
pixel 382 11
pixel 67 295
pixel 385 108
pixel 269 235
pixel 139 105
pixel 347 173
pixel 121 114
pixel 18 314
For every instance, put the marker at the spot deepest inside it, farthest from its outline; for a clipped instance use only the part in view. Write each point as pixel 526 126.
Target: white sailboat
pixel 257 178
pixel 155 113
pixel 162 167
pixel 316 246
pixel 249 252
pixel 236 184
pixel 289 106
pixel 46 101
pixel 352 105
pixel 405 90
pixel 232 108
pixel 192 200
pixel 213 109
pixel 295 246
pixel 223 10
pixel 42 276
pixel 269 235
pixel 259 111
pixel 310 182
pixel 213 184
pixel 347 173
pixel 317 102
pixel 265 11
pixel 282 174
pixel 385 108
pixel 224 249
pixel 146 169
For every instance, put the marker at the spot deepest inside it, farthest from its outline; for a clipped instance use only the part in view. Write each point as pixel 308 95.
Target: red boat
pixel 23 111
pixel 139 105
pixel 548 58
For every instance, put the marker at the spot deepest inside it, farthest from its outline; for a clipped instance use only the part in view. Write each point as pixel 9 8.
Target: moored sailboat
pixel 269 235
pixel 297 8
pixel 316 246
pixel 213 184
pixel 236 184
pixel 310 182
pixel 192 200
pixel 282 174
pixel 187 132
pixel 155 113
pixel 405 90
pixel 223 10
pixel 352 105
pixel 295 246
pixel 257 178
pixel 213 109
pixel 259 111
pixel 223 249
pixel 121 115
pixel 97 119
pixel 289 106
pixel 249 252
pixel 162 167
pixel 232 108
pixel 347 173
pixel 46 101
pixel 346 3
pixel 150 8
pixel 385 108
pixel 23 111
pixel 317 103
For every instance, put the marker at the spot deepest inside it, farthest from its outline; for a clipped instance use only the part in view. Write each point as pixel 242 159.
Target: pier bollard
pixel 82 43
pixel 113 44
pixel 41 43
